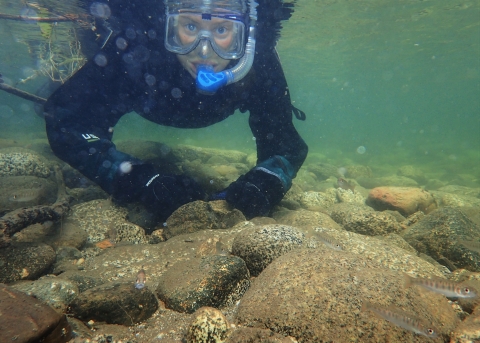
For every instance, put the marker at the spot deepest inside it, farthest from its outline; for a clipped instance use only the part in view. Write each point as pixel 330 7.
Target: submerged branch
pixel 19 219
pixel 22 94
pixel 57 19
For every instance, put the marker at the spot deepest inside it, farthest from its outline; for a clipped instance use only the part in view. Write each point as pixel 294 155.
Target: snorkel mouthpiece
pixel 208 81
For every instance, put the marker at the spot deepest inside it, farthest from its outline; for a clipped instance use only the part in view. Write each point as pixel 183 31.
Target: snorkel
pixel 208 81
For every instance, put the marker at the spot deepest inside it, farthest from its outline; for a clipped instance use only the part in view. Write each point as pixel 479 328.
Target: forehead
pixel 197 18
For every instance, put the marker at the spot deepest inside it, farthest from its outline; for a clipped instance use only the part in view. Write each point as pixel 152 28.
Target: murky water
pixel 401 79
pixel 385 84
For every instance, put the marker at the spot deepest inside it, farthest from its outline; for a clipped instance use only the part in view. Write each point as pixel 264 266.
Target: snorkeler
pixel 185 64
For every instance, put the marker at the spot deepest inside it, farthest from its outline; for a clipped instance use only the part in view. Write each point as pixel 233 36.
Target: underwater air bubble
pixel 150 79
pixel 361 149
pixel 342 171
pixel 100 10
pixel 176 93
pixel 100 60
pixel 125 167
pixel 152 34
pixel 121 43
pixel 27 13
pixel 5 111
pixel 130 33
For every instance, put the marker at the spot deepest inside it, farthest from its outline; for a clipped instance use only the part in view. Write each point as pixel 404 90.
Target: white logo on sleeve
pixel 90 137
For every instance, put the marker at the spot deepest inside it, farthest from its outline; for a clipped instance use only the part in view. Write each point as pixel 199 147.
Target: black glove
pixel 255 193
pixel 160 194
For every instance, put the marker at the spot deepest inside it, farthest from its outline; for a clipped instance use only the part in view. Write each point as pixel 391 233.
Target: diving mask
pixel 225 32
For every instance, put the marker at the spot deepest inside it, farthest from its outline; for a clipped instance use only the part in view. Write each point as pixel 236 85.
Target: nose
pixel 204 49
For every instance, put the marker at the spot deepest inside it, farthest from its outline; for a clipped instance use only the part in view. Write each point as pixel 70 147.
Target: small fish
pixel 25 195
pixel 401 319
pixel 329 241
pixel 221 249
pixel 344 184
pixel 448 288
pixel 141 278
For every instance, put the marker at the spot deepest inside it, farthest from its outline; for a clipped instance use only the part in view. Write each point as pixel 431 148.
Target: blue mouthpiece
pixel 208 82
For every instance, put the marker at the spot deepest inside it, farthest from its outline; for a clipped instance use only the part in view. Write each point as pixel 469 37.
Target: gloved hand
pixel 160 194
pixel 262 188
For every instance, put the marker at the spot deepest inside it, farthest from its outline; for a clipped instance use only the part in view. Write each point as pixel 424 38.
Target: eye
pixel 221 30
pixel 430 331
pixel 190 27
pixel 466 290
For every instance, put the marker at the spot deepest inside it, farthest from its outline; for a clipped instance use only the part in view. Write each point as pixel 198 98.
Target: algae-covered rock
pixel 448 236
pixel 209 325
pixel 259 247
pixel 115 303
pixel 214 281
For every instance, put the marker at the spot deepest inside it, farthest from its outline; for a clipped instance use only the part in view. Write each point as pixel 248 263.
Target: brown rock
pixel 25 261
pixel 362 219
pixel 406 200
pixel 318 298
pixel 200 215
pixel 448 236
pixel 214 281
pixel 115 303
pixel 209 325
pixel 26 319
pixel 253 335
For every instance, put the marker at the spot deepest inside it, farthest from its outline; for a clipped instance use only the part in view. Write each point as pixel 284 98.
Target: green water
pixel 401 78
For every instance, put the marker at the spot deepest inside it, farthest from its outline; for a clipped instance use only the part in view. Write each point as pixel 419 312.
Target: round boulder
pixel 209 325
pixel 259 247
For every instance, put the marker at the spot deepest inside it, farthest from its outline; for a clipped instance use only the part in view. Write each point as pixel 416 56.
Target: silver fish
pixel 448 288
pixel 401 319
pixel 329 241
pixel 141 279
pixel 25 195
pixel 344 184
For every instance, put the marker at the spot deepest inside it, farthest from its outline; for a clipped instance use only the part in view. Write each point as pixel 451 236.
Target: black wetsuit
pixel 134 72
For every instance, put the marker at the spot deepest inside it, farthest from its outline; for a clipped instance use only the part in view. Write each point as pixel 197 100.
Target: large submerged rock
pixel 448 236
pixel 26 319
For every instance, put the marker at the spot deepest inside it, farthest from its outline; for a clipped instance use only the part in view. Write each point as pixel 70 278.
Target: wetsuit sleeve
pixel 271 116
pixel 80 117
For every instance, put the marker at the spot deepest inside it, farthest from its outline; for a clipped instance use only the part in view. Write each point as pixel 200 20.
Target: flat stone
pixel 214 281
pixel 53 291
pixel 26 319
pixel 406 200
pixel 115 303
pixel 25 261
pixel 70 234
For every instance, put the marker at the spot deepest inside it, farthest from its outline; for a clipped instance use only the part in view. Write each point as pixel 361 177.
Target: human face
pixel 220 31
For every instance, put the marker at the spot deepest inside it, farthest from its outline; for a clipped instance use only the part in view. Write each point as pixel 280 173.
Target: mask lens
pixel 185 30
